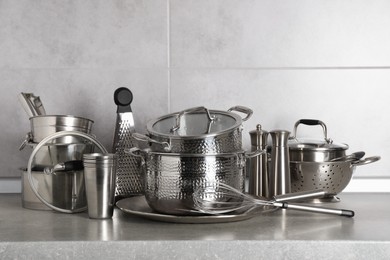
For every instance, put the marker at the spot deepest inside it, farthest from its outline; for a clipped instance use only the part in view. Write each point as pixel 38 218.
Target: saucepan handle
pixel 365 161
pixel 75 165
pixel 311 122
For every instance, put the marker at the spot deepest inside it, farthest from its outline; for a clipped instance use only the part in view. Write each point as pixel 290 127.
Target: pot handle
pixel 190 110
pixel 254 153
pixel 75 165
pixel 27 140
pixel 135 151
pixel 143 138
pixel 365 161
pixel 312 122
pixel 244 110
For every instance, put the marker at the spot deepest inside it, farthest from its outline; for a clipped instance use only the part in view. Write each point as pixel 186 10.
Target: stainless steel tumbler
pixel 99 174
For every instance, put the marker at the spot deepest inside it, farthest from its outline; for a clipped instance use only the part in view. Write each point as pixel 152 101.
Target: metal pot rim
pixel 230 154
pixel 33 118
pixel 314 145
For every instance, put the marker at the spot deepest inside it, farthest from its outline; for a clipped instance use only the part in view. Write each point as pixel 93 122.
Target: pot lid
pixel 325 144
pixel 315 145
pixel 197 122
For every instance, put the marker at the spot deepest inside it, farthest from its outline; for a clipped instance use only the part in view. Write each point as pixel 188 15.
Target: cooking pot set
pixel 181 153
pixel 189 150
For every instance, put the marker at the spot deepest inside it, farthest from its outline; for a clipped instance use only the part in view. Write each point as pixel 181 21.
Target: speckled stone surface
pixel 283 234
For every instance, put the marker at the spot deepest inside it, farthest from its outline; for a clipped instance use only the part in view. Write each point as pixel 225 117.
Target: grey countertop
pixel 282 234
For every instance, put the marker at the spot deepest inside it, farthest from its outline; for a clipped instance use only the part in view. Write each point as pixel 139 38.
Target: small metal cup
pixel 99 174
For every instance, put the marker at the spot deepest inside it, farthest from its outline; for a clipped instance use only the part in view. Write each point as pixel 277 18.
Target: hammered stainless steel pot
pixel 197 131
pixel 314 150
pixel 171 178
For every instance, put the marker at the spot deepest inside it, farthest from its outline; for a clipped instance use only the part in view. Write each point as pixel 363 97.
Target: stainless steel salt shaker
pixel 280 182
pixel 258 165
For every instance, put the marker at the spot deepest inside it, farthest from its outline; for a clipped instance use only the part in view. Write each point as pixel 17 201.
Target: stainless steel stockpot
pixel 198 131
pixel 171 178
pixel 314 150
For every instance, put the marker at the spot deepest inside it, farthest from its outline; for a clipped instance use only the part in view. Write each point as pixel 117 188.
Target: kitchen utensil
pixel 32 104
pixel 129 179
pixel 63 186
pixel 99 174
pixel 198 131
pixel 314 150
pixel 43 126
pixel 332 177
pixel 257 166
pixel 237 200
pixel 280 169
pixel 351 157
pixel 171 178
pixel 138 206
pixel 56 189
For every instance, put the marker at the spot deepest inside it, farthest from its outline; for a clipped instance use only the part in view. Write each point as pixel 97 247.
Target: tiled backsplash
pixel 286 60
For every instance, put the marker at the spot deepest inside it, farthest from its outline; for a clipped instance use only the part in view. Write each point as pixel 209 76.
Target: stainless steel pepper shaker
pixel 258 165
pixel 280 182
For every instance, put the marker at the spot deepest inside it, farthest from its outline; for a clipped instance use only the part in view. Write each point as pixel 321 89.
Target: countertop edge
pixel 189 249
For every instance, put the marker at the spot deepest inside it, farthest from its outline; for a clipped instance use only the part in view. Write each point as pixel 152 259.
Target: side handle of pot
pixel 255 153
pixel 365 161
pixel 244 110
pixel 143 138
pixel 136 152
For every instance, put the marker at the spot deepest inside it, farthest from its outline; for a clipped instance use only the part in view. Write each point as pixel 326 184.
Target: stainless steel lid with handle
pixel 315 150
pixel 197 122
pixel 197 130
pixel 53 170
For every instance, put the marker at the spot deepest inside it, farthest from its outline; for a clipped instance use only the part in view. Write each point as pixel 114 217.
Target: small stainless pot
pixel 314 150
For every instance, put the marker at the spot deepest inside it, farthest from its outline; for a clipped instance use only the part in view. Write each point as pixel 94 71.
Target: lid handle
pixel 312 122
pixel 190 110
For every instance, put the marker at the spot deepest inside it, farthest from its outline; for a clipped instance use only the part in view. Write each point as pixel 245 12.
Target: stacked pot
pixel 322 163
pixel 65 189
pixel 190 150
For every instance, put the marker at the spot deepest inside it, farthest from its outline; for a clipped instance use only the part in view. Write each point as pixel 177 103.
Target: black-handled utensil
pixel 128 173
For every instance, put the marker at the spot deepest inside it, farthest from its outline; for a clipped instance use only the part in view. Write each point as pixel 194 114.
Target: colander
pixel 332 177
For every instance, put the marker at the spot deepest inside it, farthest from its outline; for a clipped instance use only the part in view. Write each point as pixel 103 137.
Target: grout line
pixel 169 54
pixel 286 68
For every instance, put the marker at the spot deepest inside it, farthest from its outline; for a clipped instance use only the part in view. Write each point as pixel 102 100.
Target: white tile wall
pixel 286 60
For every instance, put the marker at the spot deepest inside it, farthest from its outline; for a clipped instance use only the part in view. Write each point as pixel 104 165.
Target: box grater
pixel 129 181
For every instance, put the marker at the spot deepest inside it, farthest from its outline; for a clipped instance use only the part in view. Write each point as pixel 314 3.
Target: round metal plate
pixel 138 206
